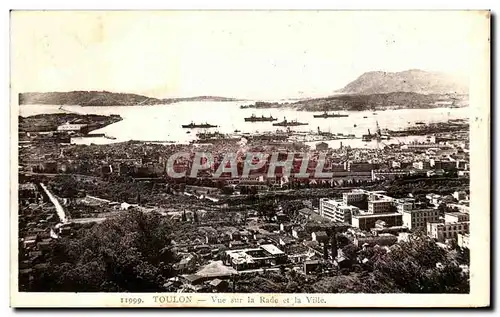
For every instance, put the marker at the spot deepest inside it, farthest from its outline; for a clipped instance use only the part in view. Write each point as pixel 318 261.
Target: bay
pixel 162 123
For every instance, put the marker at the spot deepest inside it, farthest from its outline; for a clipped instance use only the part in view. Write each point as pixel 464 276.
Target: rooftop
pixel 216 269
pixel 272 249
pixel 372 215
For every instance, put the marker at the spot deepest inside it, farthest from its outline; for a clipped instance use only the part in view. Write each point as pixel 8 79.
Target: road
pixel 59 209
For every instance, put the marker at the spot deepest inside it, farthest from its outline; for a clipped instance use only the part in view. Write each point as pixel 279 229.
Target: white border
pixel 265 5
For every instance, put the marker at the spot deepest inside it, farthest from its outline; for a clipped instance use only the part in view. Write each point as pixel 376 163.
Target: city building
pixel 420 165
pixel 72 127
pixel 418 218
pixel 404 204
pixel 366 221
pixel 252 258
pixel 456 217
pixel 389 174
pixel 460 195
pixel 361 166
pixel 353 196
pixel 379 206
pixel 463 208
pixel 337 210
pixel 443 231
pixel 385 229
pixel 463 240
pixel 319 236
pixel 344 213
pixel 328 208
pixel 383 239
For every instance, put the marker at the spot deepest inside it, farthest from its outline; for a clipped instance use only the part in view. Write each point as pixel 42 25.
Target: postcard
pixel 250 158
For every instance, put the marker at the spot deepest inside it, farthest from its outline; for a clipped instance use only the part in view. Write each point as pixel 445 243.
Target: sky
pixel 244 54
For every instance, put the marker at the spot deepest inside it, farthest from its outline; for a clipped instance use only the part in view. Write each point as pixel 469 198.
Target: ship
pixel 213 137
pixel 368 137
pixel 286 123
pixel 330 115
pixel 454 105
pixel 195 125
pixel 377 136
pixel 208 135
pixel 254 118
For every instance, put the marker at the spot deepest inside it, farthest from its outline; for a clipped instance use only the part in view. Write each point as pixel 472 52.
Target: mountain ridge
pixel 412 80
pixel 381 101
pixel 105 98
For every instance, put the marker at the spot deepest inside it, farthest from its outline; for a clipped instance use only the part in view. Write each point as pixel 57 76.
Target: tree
pixel 334 245
pixel 342 240
pixel 350 251
pixel 413 268
pixel 128 253
pixel 227 190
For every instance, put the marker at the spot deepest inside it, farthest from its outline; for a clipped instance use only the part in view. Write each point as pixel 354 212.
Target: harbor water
pixel 162 123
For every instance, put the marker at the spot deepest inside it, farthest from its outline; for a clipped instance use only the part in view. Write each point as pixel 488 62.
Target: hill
pixel 103 98
pixel 417 81
pixel 394 100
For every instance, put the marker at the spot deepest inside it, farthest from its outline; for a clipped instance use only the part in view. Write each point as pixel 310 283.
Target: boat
pixel 355 125
pixel 374 113
pixel 377 136
pixel 286 123
pixel 254 118
pixel 420 123
pixel 330 115
pixel 206 135
pixel 367 137
pixel 196 125
pixel 237 131
pixel 188 132
pixel 365 117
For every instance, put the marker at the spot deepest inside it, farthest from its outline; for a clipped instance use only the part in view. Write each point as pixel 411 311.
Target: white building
pixel 389 174
pixel 420 165
pixel 418 218
pixel 71 127
pixel 337 210
pixel 344 213
pixel 463 240
pixel 456 217
pixel 404 204
pixel 434 199
pixel 460 195
pixel 379 206
pixel 463 208
pixel 328 208
pixel 444 231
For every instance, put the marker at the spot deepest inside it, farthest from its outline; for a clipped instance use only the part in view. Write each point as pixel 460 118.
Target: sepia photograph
pixel 250 158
